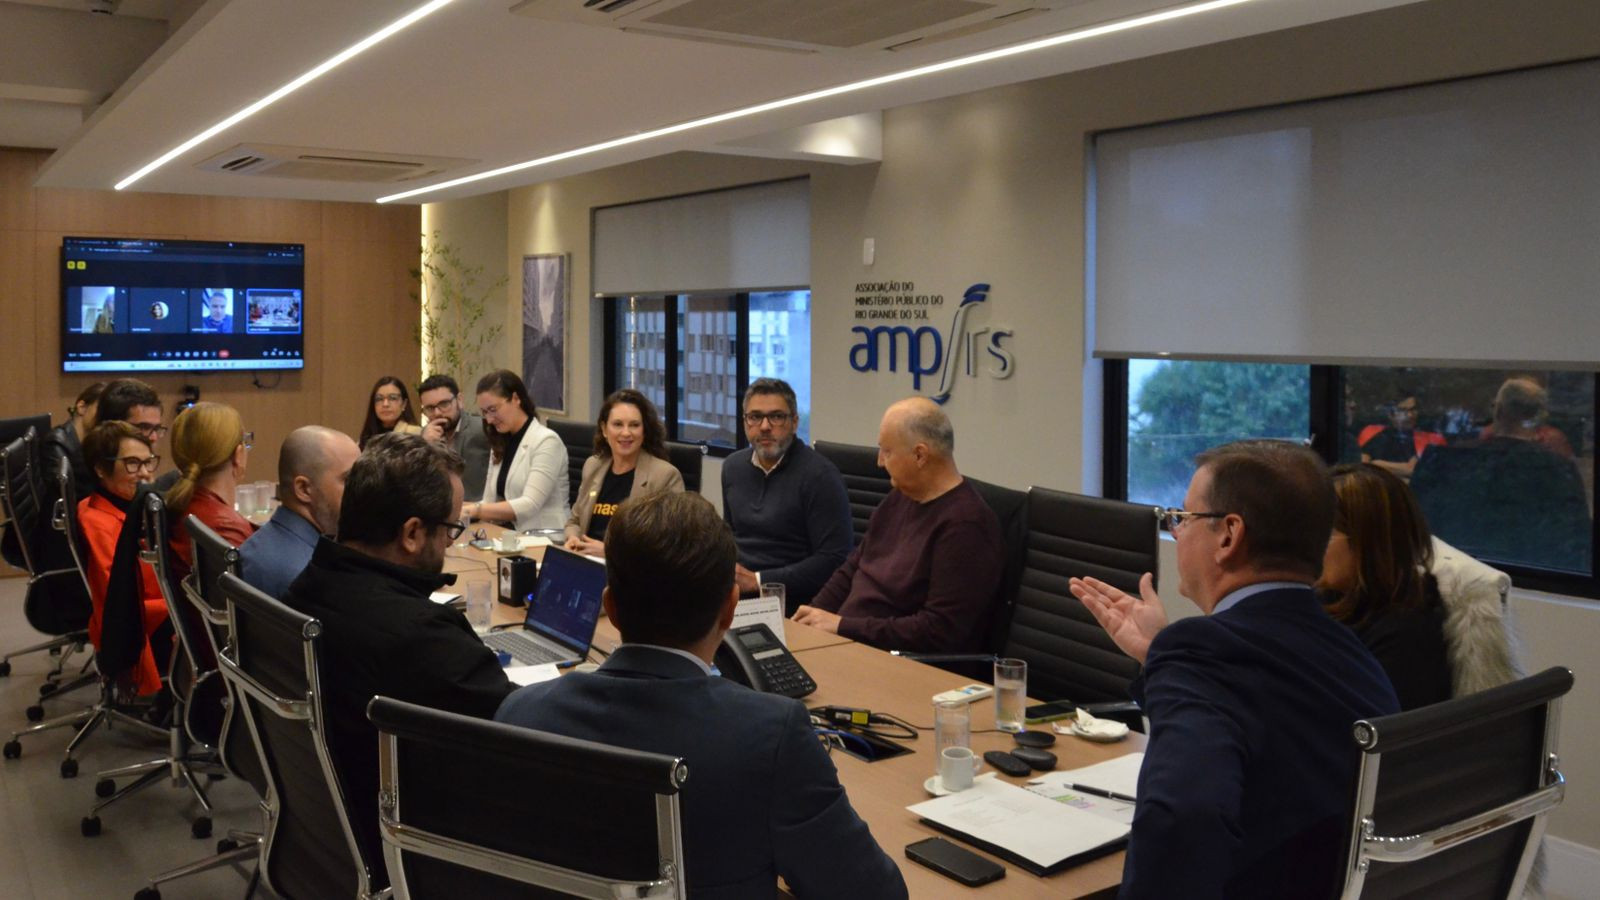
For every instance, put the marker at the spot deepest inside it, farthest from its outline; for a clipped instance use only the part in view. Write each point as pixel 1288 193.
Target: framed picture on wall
pixel 544 329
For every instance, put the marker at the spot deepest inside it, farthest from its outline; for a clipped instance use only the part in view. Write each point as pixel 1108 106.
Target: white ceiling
pixel 476 82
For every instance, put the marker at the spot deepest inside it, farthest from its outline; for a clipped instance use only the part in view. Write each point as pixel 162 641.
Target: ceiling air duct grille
pixel 277 161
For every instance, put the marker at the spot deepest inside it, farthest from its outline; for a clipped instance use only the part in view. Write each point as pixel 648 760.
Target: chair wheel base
pixel 34 713
pixel 69 768
pixel 201 828
pixel 90 826
pixel 105 787
pixel 148 893
pixel 5 668
pixel 227 845
pixel 13 749
pixel 48 688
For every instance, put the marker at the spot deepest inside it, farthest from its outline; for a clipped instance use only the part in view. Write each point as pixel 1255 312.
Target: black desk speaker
pixel 519 578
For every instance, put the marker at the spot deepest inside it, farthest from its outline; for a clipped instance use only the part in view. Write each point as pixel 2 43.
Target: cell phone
pixel 1048 712
pixel 955 862
pixel 481 544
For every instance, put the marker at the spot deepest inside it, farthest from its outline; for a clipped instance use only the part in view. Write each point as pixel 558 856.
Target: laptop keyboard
pixel 524 649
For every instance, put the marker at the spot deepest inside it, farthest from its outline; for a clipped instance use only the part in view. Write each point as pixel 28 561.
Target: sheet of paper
pixel 1053 788
pixel 766 611
pixel 1025 823
pixel 1119 775
pixel 444 597
pixel 532 674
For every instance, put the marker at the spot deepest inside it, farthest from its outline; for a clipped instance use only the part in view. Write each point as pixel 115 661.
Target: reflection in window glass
pixel 780 345
pixel 1502 462
pixel 1177 408
pixel 642 347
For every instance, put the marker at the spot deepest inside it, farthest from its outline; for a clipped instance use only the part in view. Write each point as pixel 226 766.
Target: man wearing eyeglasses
pixel 380 632
pixel 785 503
pixel 1248 775
pixel 451 424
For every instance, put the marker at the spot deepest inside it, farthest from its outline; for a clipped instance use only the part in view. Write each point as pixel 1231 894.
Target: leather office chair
pixel 309 850
pixel 1451 799
pixel 1069 655
pixel 689 460
pixel 196 720
pixel 487 831
pixel 864 480
pixel 579 438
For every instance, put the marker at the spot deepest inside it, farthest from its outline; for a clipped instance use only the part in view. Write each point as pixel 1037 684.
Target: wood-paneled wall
pixel 358 312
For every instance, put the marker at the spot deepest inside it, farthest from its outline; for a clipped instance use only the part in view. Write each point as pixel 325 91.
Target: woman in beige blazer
pixel 630 460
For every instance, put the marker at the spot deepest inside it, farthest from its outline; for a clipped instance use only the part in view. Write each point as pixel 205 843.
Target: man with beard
pixel 785 503
pixel 380 632
pixel 451 424
pixel 312 467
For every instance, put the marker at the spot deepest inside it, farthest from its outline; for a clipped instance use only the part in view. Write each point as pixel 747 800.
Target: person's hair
pixel 121 396
pixel 1518 401
pixel 927 423
pixel 505 384
pixel 204 437
pixel 396 477
pixel 1282 492
pixel 1389 542
pixel 372 426
pixel 669 565
pixel 102 443
pixel 434 382
pixel 304 452
pixel 655 433
pixel 89 396
pixel 772 386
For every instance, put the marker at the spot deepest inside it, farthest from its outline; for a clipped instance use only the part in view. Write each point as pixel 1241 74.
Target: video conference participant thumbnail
pixel 215 311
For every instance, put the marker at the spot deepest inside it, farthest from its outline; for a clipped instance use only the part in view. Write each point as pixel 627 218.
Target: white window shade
pixel 1450 224
pixel 741 239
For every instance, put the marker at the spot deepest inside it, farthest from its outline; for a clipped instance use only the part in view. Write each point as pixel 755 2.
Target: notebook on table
pixel 561 619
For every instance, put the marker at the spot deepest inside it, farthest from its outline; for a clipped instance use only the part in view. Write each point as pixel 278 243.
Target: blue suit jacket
pixel 1249 773
pixel 278 552
pixel 762 798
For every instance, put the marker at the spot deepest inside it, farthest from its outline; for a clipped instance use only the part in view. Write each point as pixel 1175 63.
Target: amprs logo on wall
pixel 927 351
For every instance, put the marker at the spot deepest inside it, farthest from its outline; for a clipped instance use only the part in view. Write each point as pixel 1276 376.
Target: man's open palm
pixel 1131 621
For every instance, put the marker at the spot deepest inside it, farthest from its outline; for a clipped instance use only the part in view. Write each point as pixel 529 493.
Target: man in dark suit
pixel 762 799
pixel 1247 778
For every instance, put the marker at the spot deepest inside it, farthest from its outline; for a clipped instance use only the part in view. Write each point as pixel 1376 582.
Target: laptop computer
pixel 562 616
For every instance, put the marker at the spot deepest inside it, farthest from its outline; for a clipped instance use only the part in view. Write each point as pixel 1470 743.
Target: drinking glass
pixel 1010 693
pixel 952 725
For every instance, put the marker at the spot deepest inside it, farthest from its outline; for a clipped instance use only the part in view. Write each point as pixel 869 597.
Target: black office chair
pixel 1451 799
pixel 1070 657
pixel 864 480
pixel 196 719
pixel 309 850
pixel 485 832
pixel 689 459
pixel 579 438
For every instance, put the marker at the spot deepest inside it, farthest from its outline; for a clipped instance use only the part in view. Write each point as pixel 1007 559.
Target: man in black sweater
pixel 785 503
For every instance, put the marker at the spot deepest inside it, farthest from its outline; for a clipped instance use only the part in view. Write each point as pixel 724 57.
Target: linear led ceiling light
pixel 1069 37
pixel 323 68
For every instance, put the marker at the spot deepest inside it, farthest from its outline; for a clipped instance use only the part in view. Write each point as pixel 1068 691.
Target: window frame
pixel 1326 408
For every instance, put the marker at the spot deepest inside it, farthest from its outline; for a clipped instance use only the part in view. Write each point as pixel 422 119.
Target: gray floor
pixel 42 852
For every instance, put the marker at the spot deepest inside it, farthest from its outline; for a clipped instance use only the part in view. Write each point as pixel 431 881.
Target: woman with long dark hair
pixel 389 409
pixel 526 485
pixel 630 460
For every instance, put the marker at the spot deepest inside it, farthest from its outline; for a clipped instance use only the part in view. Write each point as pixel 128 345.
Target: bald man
pixel 312 466
pixel 926 575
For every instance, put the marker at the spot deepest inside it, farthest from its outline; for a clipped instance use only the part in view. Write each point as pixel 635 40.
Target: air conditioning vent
pixel 814 26
pixel 318 164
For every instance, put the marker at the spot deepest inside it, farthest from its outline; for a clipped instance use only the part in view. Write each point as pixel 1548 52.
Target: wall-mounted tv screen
pixel 156 305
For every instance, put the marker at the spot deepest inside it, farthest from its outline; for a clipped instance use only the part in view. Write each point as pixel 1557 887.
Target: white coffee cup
pixel 957 767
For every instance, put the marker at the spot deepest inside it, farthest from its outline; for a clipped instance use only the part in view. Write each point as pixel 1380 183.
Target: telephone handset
pixel 753 656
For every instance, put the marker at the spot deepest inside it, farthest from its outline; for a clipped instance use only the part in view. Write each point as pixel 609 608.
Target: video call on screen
pixel 176 305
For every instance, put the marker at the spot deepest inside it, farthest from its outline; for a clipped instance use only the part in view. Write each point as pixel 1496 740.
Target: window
pixel 716 343
pixel 1502 461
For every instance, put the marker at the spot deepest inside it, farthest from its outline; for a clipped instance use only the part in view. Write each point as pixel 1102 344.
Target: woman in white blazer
pixel 526 484
pixel 630 460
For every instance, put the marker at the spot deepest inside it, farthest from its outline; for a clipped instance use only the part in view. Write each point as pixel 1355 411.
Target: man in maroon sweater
pixel 925 576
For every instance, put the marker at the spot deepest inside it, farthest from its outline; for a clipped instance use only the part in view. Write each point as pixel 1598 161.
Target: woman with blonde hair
pixel 210 448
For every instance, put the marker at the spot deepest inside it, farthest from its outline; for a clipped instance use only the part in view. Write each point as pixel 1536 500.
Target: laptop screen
pixel 566 605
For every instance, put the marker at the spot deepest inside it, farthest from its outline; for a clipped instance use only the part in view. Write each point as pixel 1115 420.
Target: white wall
pixel 991 187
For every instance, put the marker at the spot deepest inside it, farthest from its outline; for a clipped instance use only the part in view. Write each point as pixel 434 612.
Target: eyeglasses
pixel 133 465
pixel 454 529
pixel 433 409
pixel 1172 517
pixel 248 440
pixel 387 398
pixel 753 419
pixel 152 432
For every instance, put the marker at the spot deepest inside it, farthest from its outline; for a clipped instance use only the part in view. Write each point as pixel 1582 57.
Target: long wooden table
pixel 852 674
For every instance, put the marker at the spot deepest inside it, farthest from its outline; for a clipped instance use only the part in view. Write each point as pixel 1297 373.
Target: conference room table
pixel 852 674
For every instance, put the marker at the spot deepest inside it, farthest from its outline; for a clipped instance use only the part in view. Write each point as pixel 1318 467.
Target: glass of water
pixel 952 725
pixel 480 606
pixel 1010 693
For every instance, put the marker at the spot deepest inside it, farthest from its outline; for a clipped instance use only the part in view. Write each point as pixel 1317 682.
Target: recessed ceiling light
pixel 1069 37
pixel 321 69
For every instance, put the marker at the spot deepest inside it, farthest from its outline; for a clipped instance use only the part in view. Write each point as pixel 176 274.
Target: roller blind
pixel 1455 223
pixel 739 239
